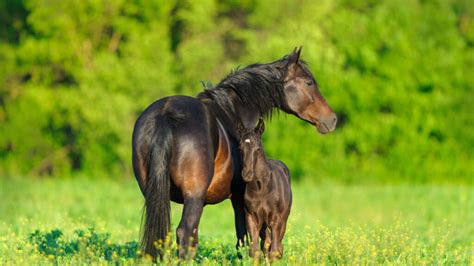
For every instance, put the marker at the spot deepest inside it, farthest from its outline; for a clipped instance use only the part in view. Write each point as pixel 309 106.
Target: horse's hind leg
pixel 237 199
pixel 186 233
pixel 192 170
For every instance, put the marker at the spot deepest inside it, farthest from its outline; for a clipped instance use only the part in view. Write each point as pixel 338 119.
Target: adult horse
pixel 185 149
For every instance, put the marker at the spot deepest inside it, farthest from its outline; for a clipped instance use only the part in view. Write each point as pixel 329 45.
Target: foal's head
pixel 254 160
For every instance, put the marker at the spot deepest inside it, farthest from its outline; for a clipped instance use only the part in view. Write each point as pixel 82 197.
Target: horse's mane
pixel 258 86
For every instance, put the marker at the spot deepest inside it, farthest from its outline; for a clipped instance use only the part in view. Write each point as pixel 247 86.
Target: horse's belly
pixel 220 187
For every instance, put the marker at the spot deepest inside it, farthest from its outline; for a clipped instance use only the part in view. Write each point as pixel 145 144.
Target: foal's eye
pixel 309 83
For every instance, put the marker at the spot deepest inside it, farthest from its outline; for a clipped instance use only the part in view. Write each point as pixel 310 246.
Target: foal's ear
pixel 260 127
pixel 240 129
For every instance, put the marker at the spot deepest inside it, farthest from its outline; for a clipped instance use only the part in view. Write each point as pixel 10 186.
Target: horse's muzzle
pixel 327 124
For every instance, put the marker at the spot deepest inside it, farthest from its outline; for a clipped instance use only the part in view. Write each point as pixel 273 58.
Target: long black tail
pixel 157 189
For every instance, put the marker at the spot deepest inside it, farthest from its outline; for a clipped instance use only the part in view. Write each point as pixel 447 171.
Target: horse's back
pixel 184 116
pixel 200 163
pixel 174 111
pixel 180 108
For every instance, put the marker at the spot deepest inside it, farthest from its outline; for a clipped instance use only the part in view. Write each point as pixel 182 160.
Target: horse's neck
pixel 242 113
pixel 224 117
pixel 232 112
pixel 247 117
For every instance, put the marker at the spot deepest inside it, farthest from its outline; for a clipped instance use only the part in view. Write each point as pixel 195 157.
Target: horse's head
pixel 253 156
pixel 303 97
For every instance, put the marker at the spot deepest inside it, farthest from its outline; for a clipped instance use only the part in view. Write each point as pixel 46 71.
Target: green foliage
pixel 74 76
pixel 328 224
pixel 394 245
pixel 52 245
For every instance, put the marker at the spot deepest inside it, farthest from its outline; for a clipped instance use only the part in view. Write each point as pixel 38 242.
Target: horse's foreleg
pixel 239 216
pixel 186 233
pixel 195 238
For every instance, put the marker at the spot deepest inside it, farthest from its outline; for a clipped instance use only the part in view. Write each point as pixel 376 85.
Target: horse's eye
pixel 309 83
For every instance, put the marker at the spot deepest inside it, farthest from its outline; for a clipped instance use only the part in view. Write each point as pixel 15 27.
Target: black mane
pixel 258 87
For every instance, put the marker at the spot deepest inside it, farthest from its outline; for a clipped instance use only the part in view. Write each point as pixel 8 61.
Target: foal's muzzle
pixel 247 176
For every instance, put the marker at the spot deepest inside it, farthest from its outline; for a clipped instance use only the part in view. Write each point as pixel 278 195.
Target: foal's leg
pixel 265 240
pixel 188 225
pixel 254 230
pixel 277 233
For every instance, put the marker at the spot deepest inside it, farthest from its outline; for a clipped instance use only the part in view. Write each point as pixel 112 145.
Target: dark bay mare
pixel 185 149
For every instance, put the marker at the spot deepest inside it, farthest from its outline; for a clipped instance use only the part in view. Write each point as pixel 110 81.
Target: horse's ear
pixel 260 127
pixel 295 55
pixel 293 61
pixel 298 53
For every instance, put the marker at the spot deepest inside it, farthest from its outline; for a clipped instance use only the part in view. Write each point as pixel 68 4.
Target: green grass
pixel 403 224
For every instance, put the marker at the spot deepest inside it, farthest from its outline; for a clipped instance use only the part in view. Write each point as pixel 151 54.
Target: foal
pixel 267 194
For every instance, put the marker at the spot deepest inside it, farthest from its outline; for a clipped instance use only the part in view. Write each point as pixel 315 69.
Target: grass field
pixel 329 224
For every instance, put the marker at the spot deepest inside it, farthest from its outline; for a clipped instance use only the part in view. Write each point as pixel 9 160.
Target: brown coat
pixel 267 195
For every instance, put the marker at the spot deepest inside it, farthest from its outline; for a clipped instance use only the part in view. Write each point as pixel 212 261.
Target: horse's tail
pixel 157 188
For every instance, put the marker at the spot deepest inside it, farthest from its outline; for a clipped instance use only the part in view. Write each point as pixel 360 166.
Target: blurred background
pixel 392 184
pixel 75 75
